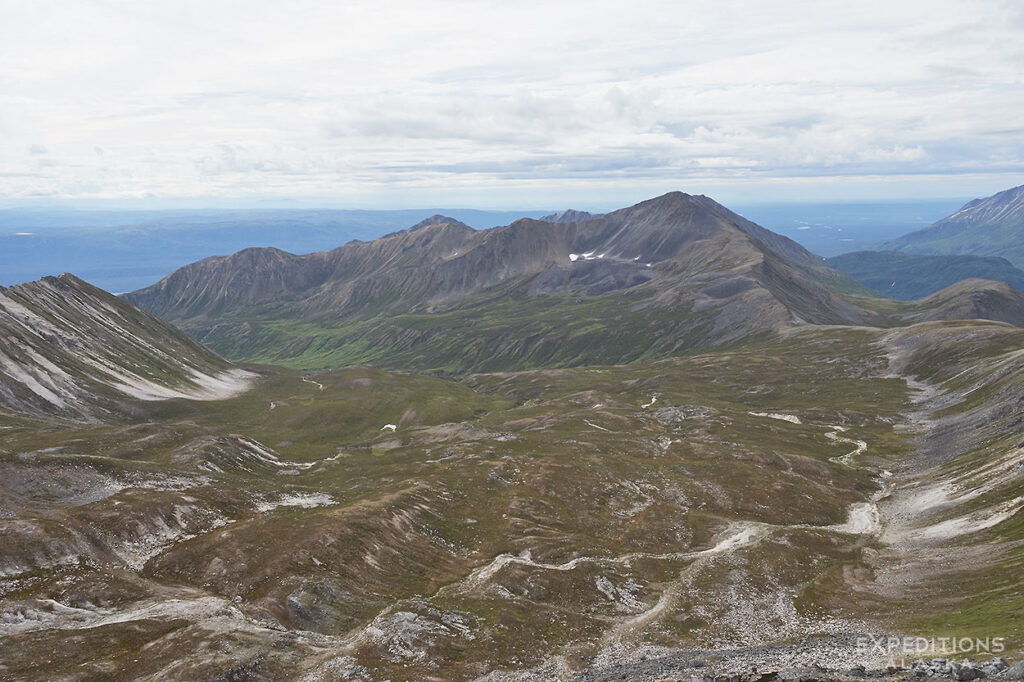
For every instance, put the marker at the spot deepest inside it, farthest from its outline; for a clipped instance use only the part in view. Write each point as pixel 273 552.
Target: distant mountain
pixel 668 274
pixel 971 299
pixel 568 216
pixel 911 276
pixel 437 219
pixel 986 227
pixel 70 350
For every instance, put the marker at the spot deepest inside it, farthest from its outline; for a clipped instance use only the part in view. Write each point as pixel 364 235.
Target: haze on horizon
pixel 498 105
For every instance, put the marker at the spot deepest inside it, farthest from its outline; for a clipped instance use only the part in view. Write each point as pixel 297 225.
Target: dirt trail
pixel 315 383
pixel 737 535
pixel 860 447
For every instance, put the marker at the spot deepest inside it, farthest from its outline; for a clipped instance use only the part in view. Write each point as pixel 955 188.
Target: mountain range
pixel 671 274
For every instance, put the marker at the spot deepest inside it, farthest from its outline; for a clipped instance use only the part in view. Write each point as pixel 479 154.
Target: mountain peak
pixel 675 201
pixel 437 219
pixel 569 216
pixel 999 206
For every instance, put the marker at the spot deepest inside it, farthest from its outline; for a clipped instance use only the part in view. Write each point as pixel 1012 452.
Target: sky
pixel 392 104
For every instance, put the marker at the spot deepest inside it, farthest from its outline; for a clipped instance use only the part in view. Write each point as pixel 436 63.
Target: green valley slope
pixel 911 276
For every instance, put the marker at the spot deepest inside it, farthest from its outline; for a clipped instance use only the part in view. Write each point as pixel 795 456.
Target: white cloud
pixel 460 101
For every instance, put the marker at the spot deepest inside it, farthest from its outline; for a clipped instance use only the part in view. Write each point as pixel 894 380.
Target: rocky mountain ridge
pixel 71 350
pixel 677 255
pixel 674 273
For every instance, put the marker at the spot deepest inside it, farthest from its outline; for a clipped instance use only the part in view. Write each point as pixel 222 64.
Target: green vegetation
pixel 515 333
pixel 911 276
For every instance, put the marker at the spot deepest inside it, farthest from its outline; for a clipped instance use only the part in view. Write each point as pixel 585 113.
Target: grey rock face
pixel 1015 672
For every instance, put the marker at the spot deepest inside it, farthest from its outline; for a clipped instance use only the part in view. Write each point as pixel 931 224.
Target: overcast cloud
pixel 510 104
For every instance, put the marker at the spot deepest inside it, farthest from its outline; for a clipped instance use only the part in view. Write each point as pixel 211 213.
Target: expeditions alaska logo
pixel 898 649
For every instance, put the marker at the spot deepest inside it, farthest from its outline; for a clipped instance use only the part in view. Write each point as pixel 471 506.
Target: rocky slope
pixel 993 226
pixel 68 349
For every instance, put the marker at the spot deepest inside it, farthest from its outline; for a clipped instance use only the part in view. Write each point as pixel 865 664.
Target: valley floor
pixel 770 507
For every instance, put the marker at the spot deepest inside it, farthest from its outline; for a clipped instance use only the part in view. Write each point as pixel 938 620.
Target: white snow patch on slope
pixel 969 523
pixel 267 455
pixel 738 534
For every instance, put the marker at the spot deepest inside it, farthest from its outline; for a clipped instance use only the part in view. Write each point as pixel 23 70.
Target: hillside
pixel 910 276
pixel 753 507
pixel 68 349
pixel 993 226
pixel 672 273
pixel 970 299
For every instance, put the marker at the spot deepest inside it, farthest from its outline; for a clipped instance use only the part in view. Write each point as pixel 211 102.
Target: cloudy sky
pixel 509 104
